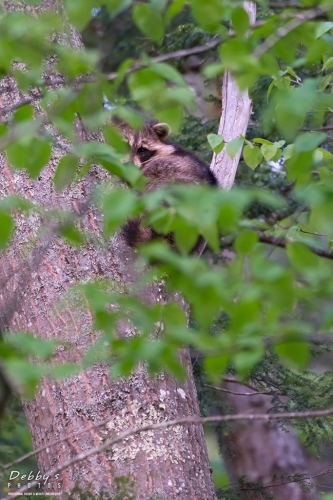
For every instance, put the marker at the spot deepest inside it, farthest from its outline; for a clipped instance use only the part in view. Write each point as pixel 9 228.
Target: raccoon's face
pixel 147 143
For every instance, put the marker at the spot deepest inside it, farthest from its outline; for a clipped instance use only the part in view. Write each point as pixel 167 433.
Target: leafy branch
pixel 294 23
pixel 282 242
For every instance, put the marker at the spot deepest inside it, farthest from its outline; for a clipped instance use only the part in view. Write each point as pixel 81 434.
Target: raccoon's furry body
pixel 161 162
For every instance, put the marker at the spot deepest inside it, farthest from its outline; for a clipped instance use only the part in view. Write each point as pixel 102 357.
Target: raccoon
pixel 162 162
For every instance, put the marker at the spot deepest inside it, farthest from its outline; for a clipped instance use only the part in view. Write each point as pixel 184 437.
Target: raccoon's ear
pixel 162 130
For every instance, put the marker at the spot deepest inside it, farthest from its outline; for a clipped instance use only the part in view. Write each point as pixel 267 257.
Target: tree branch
pixel 282 242
pixel 297 20
pixel 255 393
pixel 14 107
pixel 163 425
pixel 294 23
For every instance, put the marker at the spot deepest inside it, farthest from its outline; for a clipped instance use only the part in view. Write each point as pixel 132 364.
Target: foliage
pixel 279 297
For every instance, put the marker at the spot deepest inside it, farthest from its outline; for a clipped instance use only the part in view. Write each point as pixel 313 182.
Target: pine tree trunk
pixel 163 464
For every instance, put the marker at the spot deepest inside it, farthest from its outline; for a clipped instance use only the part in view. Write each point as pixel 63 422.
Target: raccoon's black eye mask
pixel 144 154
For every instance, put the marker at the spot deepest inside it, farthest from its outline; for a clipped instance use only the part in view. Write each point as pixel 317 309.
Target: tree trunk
pixel 262 453
pixel 157 464
pixel 255 451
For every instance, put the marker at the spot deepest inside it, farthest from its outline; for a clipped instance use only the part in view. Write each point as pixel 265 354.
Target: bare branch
pixel 240 393
pixel 163 425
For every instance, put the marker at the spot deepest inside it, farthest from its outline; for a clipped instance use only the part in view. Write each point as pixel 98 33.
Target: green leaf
pixel 326 155
pixel 268 151
pixel 79 13
pixel 301 257
pixel 29 344
pixel 15 202
pixel 323 28
pixel 129 173
pixel 288 151
pixel 168 72
pixel 65 172
pixel 33 156
pixel 240 20
pixel 246 359
pixel 293 354
pixel 65 370
pixel 174 316
pixel 208 14
pixel 149 21
pixel 216 366
pixel 118 205
pixel 216 142
pixel 328 65
pixel 291 72
pixel 115 139
pixel 117 6
pixel 252 156
pixel 25 112
pixel 173 116
pixel 210 233
pixel 133 118
pixel 185 236
pixel 6 228
pixel 234 146
pixel 279 144
pixel 307 141
pixel 258 140
pixel 24 374
pixel 246 241
pixel 72 235
pixel 174 8
pixel 325 81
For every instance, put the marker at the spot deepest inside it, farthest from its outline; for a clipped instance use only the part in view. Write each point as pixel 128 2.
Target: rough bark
pixel 262 453
pixel 162 464
pixel 257 451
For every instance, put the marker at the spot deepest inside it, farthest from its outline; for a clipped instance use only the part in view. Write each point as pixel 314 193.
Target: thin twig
pixel 239 393
pixel 171 55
